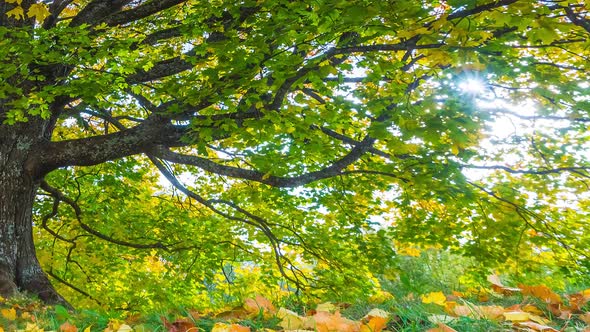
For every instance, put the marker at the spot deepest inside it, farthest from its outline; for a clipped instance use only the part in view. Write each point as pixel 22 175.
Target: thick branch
pixel 254 175
pixel 98 149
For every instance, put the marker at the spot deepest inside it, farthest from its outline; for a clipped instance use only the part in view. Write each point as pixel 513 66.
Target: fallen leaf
pixel 436 319
pixel 577 301
pixel 125 328
pixel 259 304
pixel 498 287
pixel 179 325
pixel 290 320
pixel 585 318
pixel 328 322
pixel 517 316
pixel 375 320
pixel 434 297
pixel 536 327
pixel 222 327
pixel 539 319
pixel 532 309
pixel 67 327
pixel 541 292
pixel 489 312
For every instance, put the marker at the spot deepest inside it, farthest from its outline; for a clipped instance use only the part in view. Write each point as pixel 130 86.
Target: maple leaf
pixel 39 11
pixel 16 12
pixel 541 292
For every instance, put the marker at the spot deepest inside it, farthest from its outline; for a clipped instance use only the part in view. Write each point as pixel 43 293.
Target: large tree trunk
pixel 19 267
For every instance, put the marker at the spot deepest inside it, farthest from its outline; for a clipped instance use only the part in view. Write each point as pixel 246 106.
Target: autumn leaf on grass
pixel 67 327
pixel 328 322
pixel 290 320
pixel 32 327
pixel 9 314
pixel 585 318
pixel 491 312
pixel 577 300
pixel 434 297
pixel 517 316
pixel 179 325
pixel 542 292
pixel 536 327
pixel 258 304
pixel 375 320
pixel 498 287
pixel 222 327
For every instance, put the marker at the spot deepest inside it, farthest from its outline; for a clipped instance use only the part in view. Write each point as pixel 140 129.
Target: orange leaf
pixel 541 292
pixel 180 325
pixel 375 324
pixel 498 287
pixel 577 301
pixel 67 327
pixel 258 304
pixel 585 318
pixel 327 322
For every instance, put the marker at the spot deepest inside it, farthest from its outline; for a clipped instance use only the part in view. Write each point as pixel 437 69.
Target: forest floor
pixel 495 308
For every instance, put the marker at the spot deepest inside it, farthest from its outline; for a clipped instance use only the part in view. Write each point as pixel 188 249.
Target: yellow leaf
pixel 517 316
pixel 9 314
pixel 290 320
pixel 17 12
pixel 434 297
pixel 124 328
pixel 221 327
pixel 32 327
pixel 39 11
pixel 88 329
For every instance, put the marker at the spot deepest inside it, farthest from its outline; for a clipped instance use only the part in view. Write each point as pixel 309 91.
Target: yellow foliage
pixel 16 12
pixel 39 11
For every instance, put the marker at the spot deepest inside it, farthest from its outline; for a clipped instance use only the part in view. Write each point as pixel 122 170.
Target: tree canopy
pixel 174 144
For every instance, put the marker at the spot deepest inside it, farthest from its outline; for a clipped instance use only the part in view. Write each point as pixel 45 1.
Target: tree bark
pixel 19 267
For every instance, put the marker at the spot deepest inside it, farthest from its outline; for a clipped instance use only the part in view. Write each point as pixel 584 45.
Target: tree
pixel 300 122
